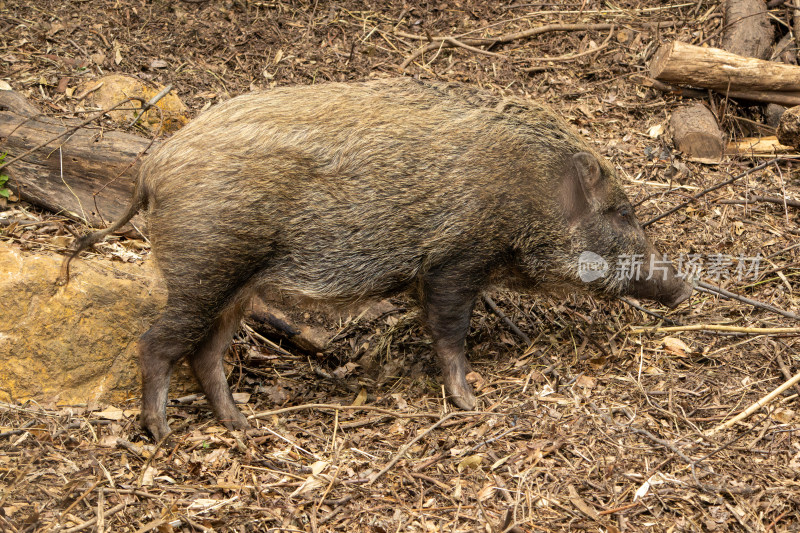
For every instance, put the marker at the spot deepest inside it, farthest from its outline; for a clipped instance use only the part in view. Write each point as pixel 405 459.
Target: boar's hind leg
pixel 206 362
pixel 183 330
pixel 159 349
pixel 447 304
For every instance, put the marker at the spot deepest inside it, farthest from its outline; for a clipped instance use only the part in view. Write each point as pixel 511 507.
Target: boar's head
pixel 609 251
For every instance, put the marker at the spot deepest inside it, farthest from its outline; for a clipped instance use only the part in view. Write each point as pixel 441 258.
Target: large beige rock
pixel 111 89
pixel 77 343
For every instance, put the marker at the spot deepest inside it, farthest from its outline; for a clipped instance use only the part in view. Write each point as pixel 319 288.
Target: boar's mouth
pixel 670 292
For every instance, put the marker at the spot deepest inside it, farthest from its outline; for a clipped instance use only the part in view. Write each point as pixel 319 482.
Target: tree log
pixel 747 30
pixel 722 71
pixel 87 174
pixel 695 133
pixel 789 127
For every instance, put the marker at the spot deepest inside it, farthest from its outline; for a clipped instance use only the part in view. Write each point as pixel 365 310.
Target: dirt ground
pixel 592 427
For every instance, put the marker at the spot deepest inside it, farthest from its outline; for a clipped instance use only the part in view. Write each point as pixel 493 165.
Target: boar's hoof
pixel 155 425
pixel 237 422
pixel 460 392
pixel 465 401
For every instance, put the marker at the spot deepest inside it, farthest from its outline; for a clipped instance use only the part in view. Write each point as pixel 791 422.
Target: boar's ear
pixel 583 187
pixel 588 172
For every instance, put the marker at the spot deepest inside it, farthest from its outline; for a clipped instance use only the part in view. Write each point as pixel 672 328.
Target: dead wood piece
pixel 788 132
pixel 87 174
pixel 277 319
pixel 796 26
pixel 695 133
pixel 725 72
pixel 758 146
pixel 667 88
pixel 747 29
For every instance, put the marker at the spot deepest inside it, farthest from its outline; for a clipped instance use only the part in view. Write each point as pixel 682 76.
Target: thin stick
pixel 445 41
pixel 705 287
pixel 714 188
pixel 770 199
pixel 570 57
pixel 513 327
pixel 153 101
pixel 639 431
pixel 405 448
pixel 716 327
pixel 647 311
pixel 459 44
pixel 89 523
pixel 266 414
pixel 756 406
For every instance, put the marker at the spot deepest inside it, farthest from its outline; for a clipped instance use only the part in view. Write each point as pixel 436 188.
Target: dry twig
pixel 765 400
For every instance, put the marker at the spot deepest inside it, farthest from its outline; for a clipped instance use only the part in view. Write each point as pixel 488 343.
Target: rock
pixel 789 127
pixel 77 343
pixel 113 88
pixel 773 114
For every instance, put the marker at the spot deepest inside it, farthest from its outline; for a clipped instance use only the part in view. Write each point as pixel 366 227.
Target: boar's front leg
pixel 447 302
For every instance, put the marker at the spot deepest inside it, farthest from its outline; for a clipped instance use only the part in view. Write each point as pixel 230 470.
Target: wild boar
pixel 345 192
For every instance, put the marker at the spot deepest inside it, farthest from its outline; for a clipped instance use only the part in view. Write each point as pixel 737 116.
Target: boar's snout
pixel 662 285
pixel 680 292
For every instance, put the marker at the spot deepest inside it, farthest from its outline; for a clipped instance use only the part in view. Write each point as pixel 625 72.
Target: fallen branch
pixel 440 42
pixel 87 176
pixel 150 103
pixel 267 414
pixel 717 327
pixel 570 57
pixel 66 132
pixel 459 44
pixel 713 68
pixel 768 146
pixel 766 400
pixel 513 327
pixel 786 202
pixel 667 88
pixel 714 188
pixel 702 286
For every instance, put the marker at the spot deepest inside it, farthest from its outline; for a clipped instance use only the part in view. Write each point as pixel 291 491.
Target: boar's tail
pixel 138 201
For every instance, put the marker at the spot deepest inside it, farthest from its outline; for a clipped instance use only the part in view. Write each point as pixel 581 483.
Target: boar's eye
pixel 624 212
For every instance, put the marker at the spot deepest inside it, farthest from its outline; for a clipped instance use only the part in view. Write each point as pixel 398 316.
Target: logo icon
pixel 591 267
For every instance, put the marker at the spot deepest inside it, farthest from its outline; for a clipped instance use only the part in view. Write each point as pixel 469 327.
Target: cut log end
pixel 660 59
pixel 695 133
